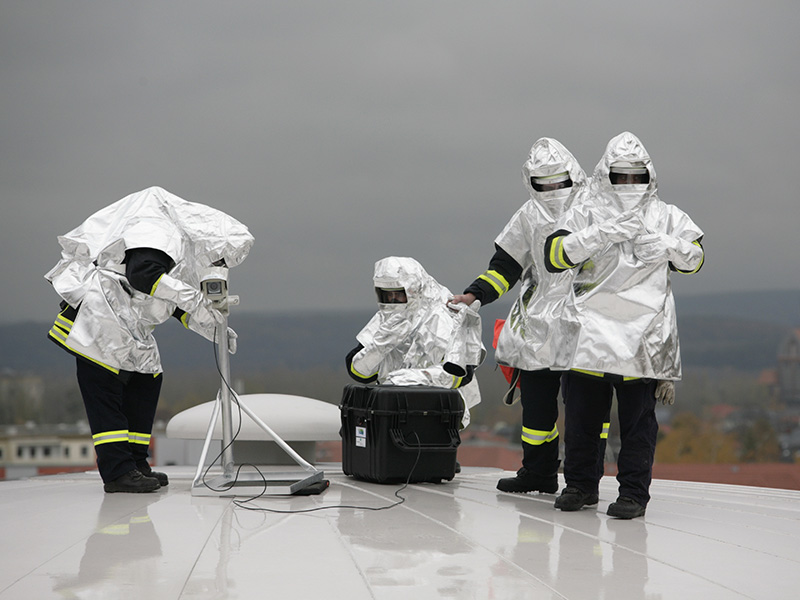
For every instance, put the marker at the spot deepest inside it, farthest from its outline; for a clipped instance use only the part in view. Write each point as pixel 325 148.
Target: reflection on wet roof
pixel 462 539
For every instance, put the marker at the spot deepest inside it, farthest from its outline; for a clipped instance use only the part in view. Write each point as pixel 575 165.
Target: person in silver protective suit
pixel 555 181
pixel 414 338
pixel 618 331
pixel 124 270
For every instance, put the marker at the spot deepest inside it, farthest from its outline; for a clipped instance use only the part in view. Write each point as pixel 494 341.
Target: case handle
pixel 400 442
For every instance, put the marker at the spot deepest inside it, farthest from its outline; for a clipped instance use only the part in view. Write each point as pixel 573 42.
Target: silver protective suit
pixel 620 317
pixel 526 339
pixel 410 343
pixel 115 322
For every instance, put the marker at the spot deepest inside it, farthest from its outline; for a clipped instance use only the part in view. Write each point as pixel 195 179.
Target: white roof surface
pixel 64 538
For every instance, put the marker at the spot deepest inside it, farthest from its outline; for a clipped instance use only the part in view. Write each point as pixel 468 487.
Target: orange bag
pixel 508 372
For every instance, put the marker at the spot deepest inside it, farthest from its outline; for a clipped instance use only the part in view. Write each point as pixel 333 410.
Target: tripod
pixel 232 481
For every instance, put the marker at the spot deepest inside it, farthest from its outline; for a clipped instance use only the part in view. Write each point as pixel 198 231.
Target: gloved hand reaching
pixel 654 247
pixel 589 241
pixel 205 320
pixel 650 248
pixel 232 344
pixel 665 392
pixel 620 229
pixel 393 330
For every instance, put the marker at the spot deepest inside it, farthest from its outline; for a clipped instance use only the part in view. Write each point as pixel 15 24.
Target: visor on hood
pixel 549 183
pixel 391 295
pixel 552 176
pixel 628 173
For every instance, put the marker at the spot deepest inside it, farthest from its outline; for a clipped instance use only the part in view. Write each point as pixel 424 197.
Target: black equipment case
pixel 394 434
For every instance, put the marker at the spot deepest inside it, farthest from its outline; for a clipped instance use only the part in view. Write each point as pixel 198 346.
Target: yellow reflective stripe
pixel 604 433
pixel 139 438
pixel 59 337
pixel 137 520
pixel 537 437
pixel 557 258
pixel 592 373
pixel 120 529
pixel 702 259
pixel 528 536
pixel 64 322
pixel 359 375
pixel 456 381
pixel 155 285
pixel 185 320
pixel 58 334
pixel 600 374
pixel 497 281
pixel 107 437
pixel 61 328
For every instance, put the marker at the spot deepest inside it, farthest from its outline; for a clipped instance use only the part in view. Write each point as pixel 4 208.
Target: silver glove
pixel 665 392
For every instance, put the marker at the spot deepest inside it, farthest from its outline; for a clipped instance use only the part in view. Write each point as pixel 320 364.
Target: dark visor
pixel 391 295
pixel 539 186
pixel 628 178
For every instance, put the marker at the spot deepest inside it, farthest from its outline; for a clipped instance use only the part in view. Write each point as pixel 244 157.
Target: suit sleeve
pixel 502 274
pixel 144 267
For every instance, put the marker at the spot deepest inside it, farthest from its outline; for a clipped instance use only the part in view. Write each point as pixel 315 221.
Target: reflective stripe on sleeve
pixel 537 437
pixel 155 285
pixel 557 257
pixel 604 433
pixel 497 281
pixel 107 437
pixel 702 260
pixel 359 375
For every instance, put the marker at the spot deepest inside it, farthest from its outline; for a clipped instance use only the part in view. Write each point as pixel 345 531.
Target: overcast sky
pixel 343 132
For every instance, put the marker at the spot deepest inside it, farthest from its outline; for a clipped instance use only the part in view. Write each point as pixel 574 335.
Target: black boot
pixel 132 482
pixel 625 508
pixel 145 469
pixel 525 481
pixel 574 499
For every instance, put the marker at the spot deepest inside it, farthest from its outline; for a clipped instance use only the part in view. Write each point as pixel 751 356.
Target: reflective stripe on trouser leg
pixel 601 459
pixel 536 437
pixel 540 439
pixel 140 401
pixel 139 438
pixel 102 393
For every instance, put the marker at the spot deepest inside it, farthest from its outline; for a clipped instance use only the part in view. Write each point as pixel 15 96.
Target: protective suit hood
pixel 422 290
pixel 549 157
pixel 193 235
pixel 623 147
pixel 114 322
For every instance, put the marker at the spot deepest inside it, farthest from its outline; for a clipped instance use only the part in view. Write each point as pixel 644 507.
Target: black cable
pixel 401 499
pixel 241 503
pixel 235 398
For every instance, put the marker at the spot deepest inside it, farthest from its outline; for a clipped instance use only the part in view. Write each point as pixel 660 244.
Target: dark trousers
pixel 539 398
pixel 118 404
pixel 587 404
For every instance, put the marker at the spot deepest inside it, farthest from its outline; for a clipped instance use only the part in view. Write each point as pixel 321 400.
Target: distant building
pixel 30 450
pixel 788 382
